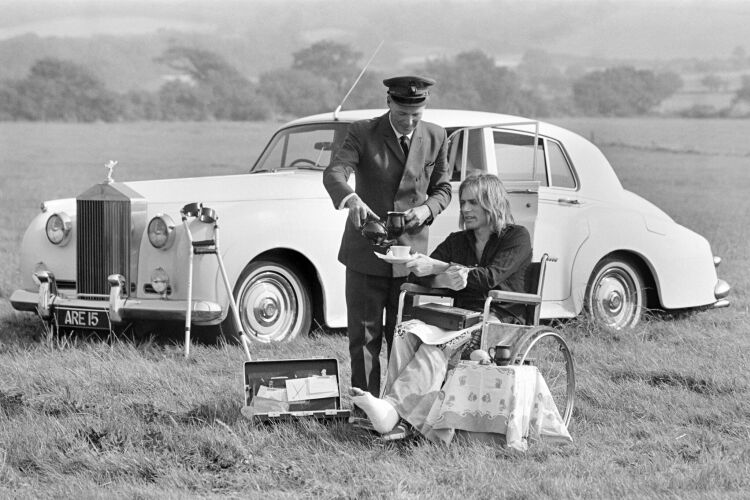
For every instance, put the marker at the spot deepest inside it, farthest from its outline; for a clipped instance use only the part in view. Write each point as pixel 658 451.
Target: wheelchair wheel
pixel 547 350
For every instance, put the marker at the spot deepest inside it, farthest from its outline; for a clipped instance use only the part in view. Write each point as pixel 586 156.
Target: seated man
pixel 490 253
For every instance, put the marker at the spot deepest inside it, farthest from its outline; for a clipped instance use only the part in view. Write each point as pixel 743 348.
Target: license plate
pixel 82 318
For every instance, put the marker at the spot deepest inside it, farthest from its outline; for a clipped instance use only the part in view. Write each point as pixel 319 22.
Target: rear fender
pixel 676 262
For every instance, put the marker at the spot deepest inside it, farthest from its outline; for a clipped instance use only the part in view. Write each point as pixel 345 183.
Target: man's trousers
pixel 367 297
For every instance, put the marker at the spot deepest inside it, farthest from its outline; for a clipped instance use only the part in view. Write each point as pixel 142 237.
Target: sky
pixel 705 28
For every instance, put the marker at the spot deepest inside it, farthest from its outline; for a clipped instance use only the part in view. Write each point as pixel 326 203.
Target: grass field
pixel 662 411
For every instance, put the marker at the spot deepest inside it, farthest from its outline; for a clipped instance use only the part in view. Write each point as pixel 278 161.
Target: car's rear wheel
pixel 615 295
pixel 273 301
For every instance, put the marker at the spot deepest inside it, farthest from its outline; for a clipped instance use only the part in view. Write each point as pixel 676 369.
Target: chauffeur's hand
pixel 358 211
pixel 416 216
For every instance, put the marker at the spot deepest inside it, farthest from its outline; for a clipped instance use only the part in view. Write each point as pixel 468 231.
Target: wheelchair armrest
pixel 515 297
pixel 415 289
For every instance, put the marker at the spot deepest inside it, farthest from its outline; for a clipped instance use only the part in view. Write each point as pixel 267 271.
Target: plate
pixel 95 319
pixel 394 260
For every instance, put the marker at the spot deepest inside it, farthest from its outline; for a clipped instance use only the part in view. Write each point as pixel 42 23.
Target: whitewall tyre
pixel 273 301
pixel 616 295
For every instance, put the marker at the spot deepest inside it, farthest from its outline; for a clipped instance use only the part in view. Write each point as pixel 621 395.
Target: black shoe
pixel 403 430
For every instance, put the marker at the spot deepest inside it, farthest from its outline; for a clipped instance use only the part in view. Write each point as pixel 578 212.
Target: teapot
pixel 381 233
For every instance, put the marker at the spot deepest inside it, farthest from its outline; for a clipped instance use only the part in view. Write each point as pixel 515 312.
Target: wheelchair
pixel 530 343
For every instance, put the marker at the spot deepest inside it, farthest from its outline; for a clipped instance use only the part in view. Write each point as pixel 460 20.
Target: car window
pixel 559 168
pixel 475 161
pixel 306 146
pixel 514 154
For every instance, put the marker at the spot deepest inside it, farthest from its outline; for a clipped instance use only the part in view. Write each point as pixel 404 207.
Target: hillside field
pixel 662 411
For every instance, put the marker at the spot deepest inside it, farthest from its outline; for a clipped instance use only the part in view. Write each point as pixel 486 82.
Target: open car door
pixel 533 170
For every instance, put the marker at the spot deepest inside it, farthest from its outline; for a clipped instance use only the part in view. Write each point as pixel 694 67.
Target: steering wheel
pixel 302 160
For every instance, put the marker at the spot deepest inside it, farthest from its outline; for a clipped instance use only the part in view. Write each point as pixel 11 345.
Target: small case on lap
pixel 445 316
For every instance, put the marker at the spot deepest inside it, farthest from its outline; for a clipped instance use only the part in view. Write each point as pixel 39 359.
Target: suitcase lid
pixel 308 366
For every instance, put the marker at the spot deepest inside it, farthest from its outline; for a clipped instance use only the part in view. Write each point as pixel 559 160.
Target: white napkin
pixel 430 334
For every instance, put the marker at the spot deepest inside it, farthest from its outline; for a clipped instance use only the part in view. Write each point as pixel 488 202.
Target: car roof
pixel 446 118
pixel 454 118
pixel 589 161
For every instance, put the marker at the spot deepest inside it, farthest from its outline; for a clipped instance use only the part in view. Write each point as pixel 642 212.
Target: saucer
pixel 394 260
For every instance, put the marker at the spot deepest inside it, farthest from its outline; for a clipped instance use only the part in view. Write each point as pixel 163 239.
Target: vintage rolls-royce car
pixel 124 253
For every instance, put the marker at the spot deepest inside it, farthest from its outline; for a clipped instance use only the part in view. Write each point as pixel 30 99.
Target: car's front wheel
pixel 273 301
pixel 615 295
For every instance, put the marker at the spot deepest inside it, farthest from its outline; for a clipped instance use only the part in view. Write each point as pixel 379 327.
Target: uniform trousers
pixel 367 296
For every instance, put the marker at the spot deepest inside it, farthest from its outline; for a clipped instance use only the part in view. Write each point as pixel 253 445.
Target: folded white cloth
pixel 430 334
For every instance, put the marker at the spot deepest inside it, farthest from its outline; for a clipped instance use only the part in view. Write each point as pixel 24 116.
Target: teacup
pixel 400 251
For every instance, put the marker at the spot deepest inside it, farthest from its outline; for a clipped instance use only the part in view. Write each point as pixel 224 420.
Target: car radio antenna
pixel 338 108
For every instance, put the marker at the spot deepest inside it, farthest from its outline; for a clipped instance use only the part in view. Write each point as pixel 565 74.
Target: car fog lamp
pixel 58 228
pixel 159 280
pixel 161 231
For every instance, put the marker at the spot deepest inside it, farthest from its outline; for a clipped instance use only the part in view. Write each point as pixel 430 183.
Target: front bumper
pixel 119 308
pixel 721 291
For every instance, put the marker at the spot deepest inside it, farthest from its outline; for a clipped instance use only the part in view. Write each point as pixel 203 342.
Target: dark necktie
pixel 404 144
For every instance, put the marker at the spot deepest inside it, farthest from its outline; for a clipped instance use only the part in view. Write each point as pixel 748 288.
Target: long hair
pixel 491 196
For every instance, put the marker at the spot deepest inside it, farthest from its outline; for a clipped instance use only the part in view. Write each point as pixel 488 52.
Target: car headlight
pixel 58 228
pixel 161 231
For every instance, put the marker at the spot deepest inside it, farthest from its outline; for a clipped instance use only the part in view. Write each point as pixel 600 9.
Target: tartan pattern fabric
pixel 473 344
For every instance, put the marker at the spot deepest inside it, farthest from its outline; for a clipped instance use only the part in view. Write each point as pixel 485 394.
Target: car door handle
pixel 568 201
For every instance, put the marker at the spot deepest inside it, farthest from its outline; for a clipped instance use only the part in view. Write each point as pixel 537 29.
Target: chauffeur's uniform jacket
pixel 372 152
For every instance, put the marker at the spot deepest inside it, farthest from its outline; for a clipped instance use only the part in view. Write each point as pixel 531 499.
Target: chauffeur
pixel 399 163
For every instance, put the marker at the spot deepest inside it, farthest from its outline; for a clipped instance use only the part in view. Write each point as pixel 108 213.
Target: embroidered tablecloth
pixel 510 400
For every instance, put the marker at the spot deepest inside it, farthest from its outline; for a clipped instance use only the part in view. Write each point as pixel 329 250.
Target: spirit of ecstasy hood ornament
pixel 110 166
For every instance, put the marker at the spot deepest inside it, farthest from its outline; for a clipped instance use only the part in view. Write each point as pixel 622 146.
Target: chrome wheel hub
pixel 614 302
pixel 268 307
pixel 266 310
pixel 615 299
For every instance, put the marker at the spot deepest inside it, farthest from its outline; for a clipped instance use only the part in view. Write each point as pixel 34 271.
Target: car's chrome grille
pixel 103 244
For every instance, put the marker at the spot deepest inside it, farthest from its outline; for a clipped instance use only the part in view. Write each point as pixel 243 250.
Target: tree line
pixel 206 87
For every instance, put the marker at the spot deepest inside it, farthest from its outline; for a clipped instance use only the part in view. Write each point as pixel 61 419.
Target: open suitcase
pixel 292 388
